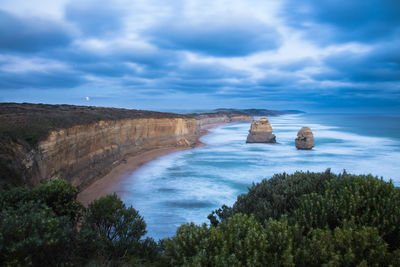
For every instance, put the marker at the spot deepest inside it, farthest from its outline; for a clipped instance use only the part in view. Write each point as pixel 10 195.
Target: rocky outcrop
pixel 261 132
pixel 305 139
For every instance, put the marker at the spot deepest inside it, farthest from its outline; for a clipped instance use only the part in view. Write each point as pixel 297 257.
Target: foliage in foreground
pixel 303 219
pixel 39 227
pixel 114 232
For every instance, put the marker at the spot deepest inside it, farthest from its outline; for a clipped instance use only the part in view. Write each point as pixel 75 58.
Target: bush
pixel 348 245
pixel 186 243
pixel 239 241
pixel 114 229
pixel 40 227
pixel 275 197
pixel 14 198
pixel 59 195
pixel 365 200
pixel 242 241
pixel 33 235
pixel 304 219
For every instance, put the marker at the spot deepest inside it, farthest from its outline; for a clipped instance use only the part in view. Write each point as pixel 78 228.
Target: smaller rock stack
pixel 261 132
pixel 305 139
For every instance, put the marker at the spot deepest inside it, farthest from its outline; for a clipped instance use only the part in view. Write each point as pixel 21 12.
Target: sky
pixel 331 55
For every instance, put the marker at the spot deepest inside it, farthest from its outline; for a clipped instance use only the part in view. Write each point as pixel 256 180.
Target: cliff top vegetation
pixel 260 112
pixel 242 112
pixel 33 122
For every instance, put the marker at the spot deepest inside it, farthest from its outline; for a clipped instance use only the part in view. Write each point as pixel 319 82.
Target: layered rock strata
pixel 305 139
pixel 39 143
pixel 83 153
pixel 261 132
pixel 220 118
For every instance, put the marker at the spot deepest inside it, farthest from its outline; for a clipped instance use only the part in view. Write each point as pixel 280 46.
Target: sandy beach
pixel 106 184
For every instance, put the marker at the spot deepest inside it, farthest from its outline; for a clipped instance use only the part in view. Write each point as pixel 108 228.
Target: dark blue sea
pixel 186 186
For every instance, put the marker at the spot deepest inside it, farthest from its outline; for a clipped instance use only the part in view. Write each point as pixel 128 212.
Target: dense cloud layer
pixel 224 37
pixel 30 34
pixel 186 54
pixel 329 22
pixel 95 18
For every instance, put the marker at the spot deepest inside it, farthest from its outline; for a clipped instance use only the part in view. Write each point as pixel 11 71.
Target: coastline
pixel 106 184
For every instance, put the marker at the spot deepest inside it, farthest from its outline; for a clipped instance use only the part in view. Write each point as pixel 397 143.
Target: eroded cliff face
pixel 39 143
pixel 207 119
pixel 82 153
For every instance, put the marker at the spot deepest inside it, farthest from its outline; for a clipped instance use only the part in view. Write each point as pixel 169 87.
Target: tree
pixel 33 235
pixel 60 195
pixel 114 229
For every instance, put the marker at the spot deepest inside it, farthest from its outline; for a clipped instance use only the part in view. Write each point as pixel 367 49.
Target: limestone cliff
pixel 221 117
pixel 261 132
pixel 84 152
pixel 39 143
pixel 80 153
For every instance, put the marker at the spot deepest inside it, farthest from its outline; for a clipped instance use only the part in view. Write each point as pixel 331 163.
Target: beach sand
pixel 106 184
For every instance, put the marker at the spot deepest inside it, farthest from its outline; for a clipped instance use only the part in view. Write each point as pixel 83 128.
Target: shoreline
pixel 106 184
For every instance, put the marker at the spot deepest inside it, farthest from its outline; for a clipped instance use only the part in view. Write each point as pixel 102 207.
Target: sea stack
pixel 261 132
pixel 305 139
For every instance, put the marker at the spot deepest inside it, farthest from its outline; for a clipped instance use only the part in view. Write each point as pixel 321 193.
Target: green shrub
pixel 33 235
pixel 348 245
pixel 60 195
pixel 40 227
pixel 303 219
pixel 114 231
pixel 185 244
pixel 366 200
pixel 242 241
pixel 148 251
pixel 239 241
pixel 276 196
pixel 15 197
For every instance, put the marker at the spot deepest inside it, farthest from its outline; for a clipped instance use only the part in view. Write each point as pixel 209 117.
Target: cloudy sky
pixel 199 54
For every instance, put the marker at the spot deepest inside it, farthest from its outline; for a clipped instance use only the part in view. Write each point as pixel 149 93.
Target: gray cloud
pixel 215 37
pixel 40 80
pixel 111 62
pixel 30 34
pixel 328 22
pixel 382 64
pixel 95 18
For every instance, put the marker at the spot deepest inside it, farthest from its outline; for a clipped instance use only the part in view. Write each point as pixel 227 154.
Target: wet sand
pixel 106 184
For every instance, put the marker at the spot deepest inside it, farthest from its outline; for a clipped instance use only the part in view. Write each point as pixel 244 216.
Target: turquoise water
pixel 187 185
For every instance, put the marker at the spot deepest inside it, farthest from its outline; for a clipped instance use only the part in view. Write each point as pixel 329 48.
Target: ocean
pixel 186 186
